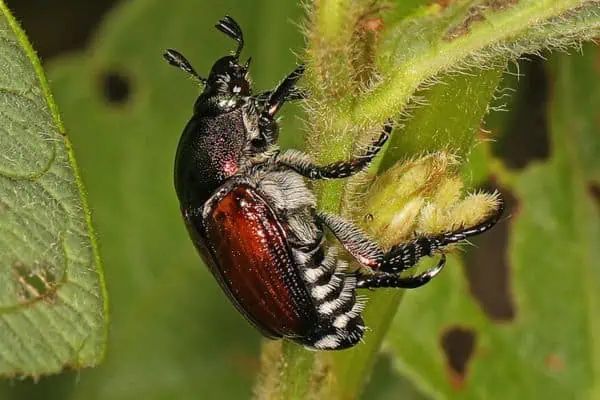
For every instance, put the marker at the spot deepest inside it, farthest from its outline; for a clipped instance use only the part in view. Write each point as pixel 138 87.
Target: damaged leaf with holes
pixel 433 66
pixel 115 87
pixel 52 302
pixel 35 282
pixel 533 333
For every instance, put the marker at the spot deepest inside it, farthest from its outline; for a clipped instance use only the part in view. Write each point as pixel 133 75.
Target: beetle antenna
pixel 232 29
pixel 177 59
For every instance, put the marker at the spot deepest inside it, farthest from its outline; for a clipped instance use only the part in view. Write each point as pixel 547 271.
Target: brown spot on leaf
pixel 475 14
pixel 500 4
pixel 464 27
pixel 366 35
pixel 554 363
pixel 3 206
pixel 321 377
pixel 444 3
pixel 34 282
pixel 374 24
pixel 487 266
pixel 458 344
pixel 525 135
pixel 116 87
pixel 594 191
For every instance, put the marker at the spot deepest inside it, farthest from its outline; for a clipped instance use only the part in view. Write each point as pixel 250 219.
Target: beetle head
pixel 225 129
pixel 229 125
pixel 227 87
pixel 228 77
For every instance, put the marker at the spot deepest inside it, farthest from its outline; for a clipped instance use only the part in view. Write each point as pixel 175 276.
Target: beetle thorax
pixel 211 150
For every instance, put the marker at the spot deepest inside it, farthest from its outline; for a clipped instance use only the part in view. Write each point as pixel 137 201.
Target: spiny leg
pixel 300 162
pixel 381 279
pixel 232 29
pixel 270 103
pixel 402 256
pixel 293 95
pixel 363 249
pixel 406 255
pixel 178 60
pixel 285 91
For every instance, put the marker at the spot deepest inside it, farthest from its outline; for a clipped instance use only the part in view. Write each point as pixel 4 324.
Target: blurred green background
pixel 173 335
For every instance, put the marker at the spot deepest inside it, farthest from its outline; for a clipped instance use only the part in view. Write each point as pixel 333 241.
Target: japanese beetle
pixel 255 222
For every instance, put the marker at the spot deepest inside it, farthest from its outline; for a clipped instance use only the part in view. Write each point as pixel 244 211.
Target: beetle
pixel 255 223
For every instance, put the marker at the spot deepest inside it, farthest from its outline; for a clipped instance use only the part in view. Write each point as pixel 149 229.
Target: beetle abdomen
pixel 256 263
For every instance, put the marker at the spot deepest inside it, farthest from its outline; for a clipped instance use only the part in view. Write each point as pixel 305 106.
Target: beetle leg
pixel 285 91
pixel 297 94
pixel 301 163
pixel 293 95
pixel 368 253
pixel 399 258
pixel 406 255
pixel 403 256
pixel 381 279
pixel 363 249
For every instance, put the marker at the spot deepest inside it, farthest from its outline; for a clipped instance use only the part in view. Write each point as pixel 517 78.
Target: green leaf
pixel 450 118
pixel 387 384
pixel 53 300
pixel 575 115
pixel 414 51
pixel 548 350
pixel 173 334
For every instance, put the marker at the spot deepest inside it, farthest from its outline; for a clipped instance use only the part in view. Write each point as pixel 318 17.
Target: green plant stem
pixel 297 371
pixel 352 368
pixel 330 19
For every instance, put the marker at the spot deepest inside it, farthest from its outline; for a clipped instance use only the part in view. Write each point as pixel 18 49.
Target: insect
pixel 255 222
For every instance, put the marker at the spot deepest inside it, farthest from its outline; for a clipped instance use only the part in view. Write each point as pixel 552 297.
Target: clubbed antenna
pixel 232 29
pixel 177 59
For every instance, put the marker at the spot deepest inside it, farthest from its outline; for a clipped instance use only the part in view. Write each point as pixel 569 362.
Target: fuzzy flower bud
pixel 423 196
